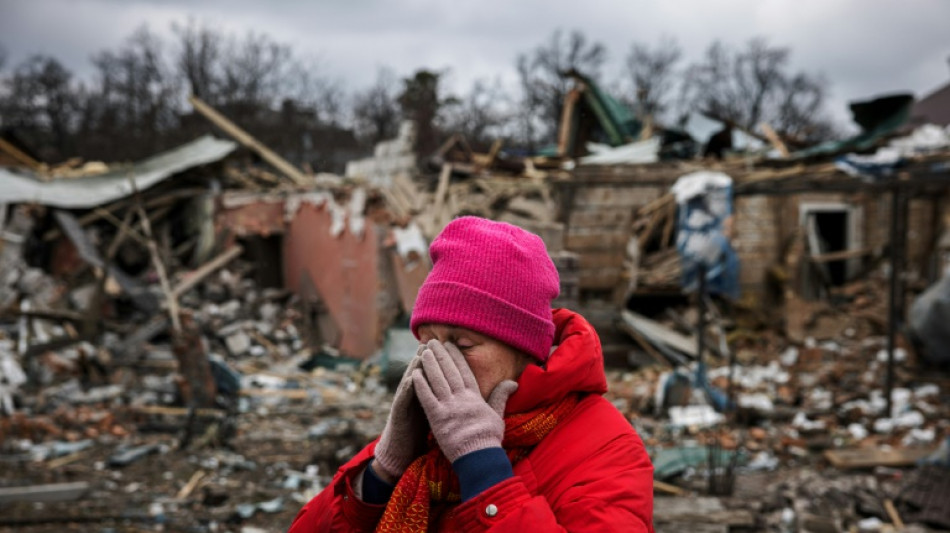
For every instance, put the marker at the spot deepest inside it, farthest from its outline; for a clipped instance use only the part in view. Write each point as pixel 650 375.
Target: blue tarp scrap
pixel 704 200
pixel 879 165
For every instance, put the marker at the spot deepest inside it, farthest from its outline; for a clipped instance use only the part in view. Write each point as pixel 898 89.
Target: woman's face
pixel 491 361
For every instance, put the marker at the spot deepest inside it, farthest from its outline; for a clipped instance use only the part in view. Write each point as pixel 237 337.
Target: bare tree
pixel 248 75
pixel 254 72
pixel 653 76
pixel 799 113
pixel 754 85
pixel 478 114
pixel 41 102
pixel 135 105
pixel 375 110
pixel 199 58
pixel 136 99
pixel 310 87
pixel 543 84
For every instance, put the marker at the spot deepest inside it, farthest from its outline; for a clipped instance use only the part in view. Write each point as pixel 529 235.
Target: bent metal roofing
pixel 92 191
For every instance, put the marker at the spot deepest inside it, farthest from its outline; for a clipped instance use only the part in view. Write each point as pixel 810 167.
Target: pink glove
pixel 404 437
pixel 461 420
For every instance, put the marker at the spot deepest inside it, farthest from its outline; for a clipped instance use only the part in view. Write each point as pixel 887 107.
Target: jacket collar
pixel 575 366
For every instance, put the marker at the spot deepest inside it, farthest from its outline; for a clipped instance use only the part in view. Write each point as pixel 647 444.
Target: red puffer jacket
pixel 591 473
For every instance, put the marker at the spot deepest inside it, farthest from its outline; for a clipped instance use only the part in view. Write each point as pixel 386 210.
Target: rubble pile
pixel 112 420
pixel 806 424
pixel 196 343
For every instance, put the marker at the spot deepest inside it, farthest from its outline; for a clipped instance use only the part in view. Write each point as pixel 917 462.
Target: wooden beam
pixel 667 488
pixel 659 203
pixel 112 219
pixel 439 201
pixel 191 485
pixel 20 156
pixel 893 515
pixel 160 410
pixel 493 153
pixel 66 459
pixel 774 139
pixel 195 277
pixel 160 269
pixel 838 256
pixel 51 314
pixel 565 133
pixel 701 510
pixel 96 214
pixel 655 332
pixel 249 141
pixel 872 457
pixel 650 350
pixel 645 235
pixel 668 228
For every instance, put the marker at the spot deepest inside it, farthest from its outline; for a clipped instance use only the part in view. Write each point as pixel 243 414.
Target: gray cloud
pixel 863 47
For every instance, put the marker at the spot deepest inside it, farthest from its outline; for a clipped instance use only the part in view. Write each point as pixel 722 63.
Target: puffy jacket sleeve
pixel 610 490
pixel 336 508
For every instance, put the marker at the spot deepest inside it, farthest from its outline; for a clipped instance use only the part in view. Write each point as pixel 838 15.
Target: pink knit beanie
pixel 493 278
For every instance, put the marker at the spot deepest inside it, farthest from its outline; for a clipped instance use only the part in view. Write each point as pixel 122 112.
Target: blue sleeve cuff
pixel 375 490
pixel 481 470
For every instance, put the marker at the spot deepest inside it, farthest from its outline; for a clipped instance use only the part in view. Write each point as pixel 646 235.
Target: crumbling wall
pixel 343 269
pixel 765 225
pixel 757 238
pixel 598 228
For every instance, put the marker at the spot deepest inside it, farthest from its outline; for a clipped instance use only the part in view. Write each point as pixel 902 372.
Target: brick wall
pixel 764 225
pixel 598 228
pixel 757 239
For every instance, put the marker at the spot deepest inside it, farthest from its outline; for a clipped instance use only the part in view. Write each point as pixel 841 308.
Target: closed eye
pixel 464 344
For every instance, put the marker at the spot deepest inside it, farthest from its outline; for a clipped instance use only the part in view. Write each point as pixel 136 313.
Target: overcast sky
pixel 863 47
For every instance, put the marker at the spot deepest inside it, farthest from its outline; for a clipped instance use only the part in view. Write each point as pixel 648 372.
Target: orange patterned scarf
pixel 430 478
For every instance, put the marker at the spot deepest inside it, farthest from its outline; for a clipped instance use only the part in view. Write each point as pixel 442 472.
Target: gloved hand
pixel 461 420
pixel 404 437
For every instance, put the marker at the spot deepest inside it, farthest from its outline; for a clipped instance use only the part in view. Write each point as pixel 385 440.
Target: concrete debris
pixel 695 416
pixel 58 492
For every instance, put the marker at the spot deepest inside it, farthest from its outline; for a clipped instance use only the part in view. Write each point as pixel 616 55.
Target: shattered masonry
pixel 198 341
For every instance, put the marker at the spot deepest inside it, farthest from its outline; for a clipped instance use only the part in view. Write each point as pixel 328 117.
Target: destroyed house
pixel 832 215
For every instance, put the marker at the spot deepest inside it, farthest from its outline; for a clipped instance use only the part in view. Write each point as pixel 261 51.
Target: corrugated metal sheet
pixel 80 193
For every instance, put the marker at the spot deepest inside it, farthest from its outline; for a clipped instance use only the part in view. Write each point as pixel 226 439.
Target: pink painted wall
pixel 344 270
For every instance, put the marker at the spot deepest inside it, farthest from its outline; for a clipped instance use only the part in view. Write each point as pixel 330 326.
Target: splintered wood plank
pixel 657 332
pixel 248 140
pixel 871 457
pixel 699 510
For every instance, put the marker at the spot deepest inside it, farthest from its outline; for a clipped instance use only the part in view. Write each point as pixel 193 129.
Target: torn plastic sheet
pixel 704 201
pixel 925 139
pixel 646 151
pixel 880 164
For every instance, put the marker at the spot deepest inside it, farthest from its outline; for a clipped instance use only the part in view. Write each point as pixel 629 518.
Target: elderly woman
pixel 499 423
